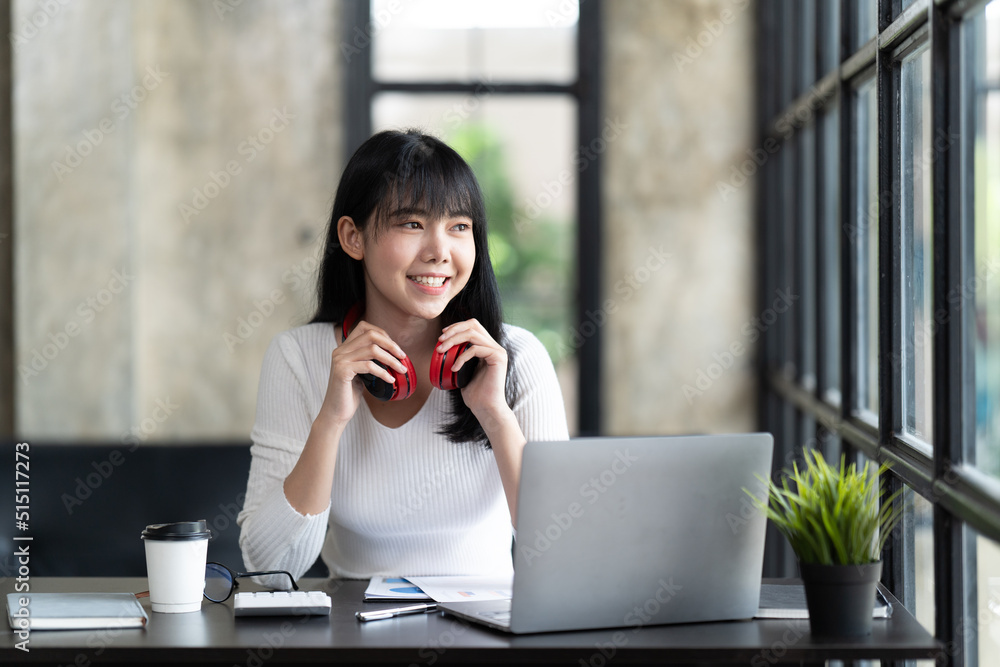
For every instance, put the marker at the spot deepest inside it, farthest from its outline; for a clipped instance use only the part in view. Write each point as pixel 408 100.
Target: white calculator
pixel 282 603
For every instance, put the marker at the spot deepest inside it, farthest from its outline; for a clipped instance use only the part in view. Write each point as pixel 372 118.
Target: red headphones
pixel 442 376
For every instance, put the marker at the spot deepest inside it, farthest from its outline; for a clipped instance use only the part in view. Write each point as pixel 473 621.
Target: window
pixel 905 154
pixel 988 594
pixel 916 158
pixel 511 85
pixel 828 15
pixel 982 49
pixel 829 221
pixel 864 22
pixel 863 241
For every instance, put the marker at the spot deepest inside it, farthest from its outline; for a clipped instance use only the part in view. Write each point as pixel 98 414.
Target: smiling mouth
pixel 429 281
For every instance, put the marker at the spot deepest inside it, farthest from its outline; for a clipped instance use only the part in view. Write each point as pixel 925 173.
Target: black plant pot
pixel 840 598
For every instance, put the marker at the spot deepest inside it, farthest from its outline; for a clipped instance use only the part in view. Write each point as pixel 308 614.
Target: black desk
pixel 214 636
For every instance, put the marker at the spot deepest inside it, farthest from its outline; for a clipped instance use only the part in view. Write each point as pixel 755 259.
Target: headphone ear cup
pixel 404 387
pixel 443 377
pixel 405 383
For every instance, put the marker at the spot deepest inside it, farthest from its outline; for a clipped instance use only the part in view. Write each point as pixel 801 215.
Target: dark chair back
pixel 88 504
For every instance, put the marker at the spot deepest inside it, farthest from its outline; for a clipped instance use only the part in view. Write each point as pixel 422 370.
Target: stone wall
pixel 679 76
pixel 175 162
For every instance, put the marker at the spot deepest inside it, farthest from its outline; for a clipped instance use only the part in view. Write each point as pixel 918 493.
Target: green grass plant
pixel 831 516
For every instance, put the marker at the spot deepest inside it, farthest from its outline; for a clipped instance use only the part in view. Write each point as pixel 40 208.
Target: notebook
pixel 74 611
pixel 789 601
pixel 627 532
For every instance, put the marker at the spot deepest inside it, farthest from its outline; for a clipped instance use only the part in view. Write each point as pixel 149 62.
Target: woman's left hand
pixel 485 394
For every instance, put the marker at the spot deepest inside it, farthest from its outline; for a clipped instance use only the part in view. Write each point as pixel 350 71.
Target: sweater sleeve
pixel 274 536
pixel 539 407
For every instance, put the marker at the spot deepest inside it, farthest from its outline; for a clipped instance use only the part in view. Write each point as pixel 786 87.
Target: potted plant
pixel 837 527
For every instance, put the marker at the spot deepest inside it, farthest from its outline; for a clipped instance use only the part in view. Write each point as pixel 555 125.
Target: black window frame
pixel 963 498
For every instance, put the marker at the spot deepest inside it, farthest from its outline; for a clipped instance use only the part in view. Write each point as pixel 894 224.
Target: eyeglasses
pixel 220 581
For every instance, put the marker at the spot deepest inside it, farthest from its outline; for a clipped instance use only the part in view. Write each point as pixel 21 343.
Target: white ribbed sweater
pixel 405 501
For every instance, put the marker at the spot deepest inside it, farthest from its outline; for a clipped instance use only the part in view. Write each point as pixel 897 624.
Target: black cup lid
pixel 183 530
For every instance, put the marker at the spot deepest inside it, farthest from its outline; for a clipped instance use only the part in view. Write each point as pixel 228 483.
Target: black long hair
pixel 397 170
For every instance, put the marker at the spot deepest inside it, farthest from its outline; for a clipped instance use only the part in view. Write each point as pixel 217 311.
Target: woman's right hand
pixel 356 356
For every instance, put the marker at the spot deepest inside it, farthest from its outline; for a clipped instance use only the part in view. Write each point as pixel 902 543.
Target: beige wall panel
pixel 72 219
pixel 237 168
pixel 206 191
pixel 686 118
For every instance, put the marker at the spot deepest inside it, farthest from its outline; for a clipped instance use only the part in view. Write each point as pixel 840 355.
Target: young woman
pixel 419 486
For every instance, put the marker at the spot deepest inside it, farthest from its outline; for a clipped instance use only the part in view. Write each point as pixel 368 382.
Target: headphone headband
pixel 442 376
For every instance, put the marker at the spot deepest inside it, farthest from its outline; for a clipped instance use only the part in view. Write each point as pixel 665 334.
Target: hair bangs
pixel 430 181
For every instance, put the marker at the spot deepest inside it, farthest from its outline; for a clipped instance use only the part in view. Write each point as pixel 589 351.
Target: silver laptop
pixel 629 532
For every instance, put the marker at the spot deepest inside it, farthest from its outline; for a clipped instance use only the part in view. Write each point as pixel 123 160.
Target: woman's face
pixel 418 263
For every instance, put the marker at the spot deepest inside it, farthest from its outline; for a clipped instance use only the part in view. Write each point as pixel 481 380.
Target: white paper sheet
pixel 464 588
pixel 393 588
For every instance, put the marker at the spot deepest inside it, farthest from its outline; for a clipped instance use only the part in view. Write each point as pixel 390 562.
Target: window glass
pixel 986 625
pixel 865 22
pixel 789 335
pixel 787 60
pixel 982 46
pixel 828 14
pixel 806 44
pixel 921 513
pixel 805 254
pixel 863 234
pixel 830 235
pixel 916 160
pixel 774 344
pixel 829 444
pixel 473 40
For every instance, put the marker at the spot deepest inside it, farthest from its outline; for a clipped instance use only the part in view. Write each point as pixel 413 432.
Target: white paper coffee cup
pixel 175 565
